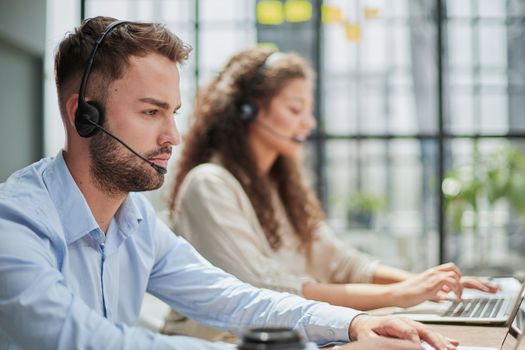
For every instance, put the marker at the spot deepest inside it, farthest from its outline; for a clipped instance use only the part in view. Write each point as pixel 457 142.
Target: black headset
pixel 90 113
pixel 248 108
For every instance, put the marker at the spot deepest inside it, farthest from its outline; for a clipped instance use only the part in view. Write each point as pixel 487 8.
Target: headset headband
pixel 89 64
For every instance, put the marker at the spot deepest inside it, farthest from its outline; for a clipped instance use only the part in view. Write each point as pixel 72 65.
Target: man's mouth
pixel 161 160
pixel 161 157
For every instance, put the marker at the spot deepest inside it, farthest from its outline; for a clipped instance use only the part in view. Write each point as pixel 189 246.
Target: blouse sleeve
pixel 216 216
pixel 335 262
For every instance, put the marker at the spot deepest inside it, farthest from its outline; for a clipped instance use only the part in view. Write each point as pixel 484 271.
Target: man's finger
pixel 433 338
pixel 399 328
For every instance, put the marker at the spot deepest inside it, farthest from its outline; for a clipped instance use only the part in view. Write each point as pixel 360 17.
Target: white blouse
pixel 216 216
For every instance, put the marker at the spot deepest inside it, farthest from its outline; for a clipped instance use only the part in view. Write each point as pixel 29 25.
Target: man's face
pixel 139 110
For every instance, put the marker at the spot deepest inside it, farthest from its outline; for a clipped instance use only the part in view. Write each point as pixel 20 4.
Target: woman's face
pixel 283 126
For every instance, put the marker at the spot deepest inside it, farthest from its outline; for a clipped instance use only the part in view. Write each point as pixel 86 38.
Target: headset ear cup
pixel 88 111
pixel 248 111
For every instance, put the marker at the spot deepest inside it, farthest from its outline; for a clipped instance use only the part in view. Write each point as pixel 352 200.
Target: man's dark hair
pixel 124 41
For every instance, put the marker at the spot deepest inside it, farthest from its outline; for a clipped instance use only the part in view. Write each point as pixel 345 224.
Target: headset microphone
pixel 158 168
pixel 295 139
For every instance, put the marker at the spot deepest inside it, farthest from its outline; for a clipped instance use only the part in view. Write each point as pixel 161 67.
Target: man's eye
pixel 151 112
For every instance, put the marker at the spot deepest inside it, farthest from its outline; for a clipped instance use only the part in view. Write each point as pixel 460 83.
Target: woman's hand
pixel 479 284
pixel 432 284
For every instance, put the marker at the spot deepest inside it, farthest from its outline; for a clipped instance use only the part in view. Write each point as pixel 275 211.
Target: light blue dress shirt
pixel 66 285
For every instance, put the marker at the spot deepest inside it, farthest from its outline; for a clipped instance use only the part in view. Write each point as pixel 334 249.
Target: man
pixel 79 247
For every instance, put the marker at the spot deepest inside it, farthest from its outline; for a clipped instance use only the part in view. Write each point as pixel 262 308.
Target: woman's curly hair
pixel 218 130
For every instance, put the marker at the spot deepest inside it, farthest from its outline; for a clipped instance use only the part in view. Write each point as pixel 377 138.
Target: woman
pixel 239 196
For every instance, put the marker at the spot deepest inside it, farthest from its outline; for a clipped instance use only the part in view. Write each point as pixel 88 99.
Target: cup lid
pixel 272 336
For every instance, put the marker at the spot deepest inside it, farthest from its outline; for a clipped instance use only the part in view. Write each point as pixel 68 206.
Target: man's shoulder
pixel 25 183
pixel 24 193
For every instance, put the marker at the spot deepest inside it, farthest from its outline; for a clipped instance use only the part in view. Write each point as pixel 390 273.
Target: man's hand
pixel 379 343
pixel 365 326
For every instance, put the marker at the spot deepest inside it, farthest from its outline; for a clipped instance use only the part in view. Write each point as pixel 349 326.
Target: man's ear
pixel 71 110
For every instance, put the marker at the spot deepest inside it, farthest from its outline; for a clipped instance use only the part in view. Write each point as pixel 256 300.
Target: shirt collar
pixel 75 214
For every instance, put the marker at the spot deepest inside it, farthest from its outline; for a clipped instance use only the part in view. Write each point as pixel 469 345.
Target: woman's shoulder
pixel 209 174
pixel 209 171
pixel 211 180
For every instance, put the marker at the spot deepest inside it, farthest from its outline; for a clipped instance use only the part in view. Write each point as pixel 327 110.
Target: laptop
pixel 473 308
pixel 514 340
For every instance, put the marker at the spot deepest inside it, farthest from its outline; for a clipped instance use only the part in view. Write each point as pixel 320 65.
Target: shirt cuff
pixel 330 324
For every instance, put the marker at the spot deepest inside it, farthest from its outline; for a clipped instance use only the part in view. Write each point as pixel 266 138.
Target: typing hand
pixel 380 343
pixel 365 327
pixel 479 284
pixel 432 284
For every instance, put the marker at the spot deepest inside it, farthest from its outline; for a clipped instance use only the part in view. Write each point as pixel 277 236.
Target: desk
pixel 473 335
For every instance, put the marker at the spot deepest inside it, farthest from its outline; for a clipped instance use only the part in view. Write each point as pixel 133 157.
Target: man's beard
pixel 116 170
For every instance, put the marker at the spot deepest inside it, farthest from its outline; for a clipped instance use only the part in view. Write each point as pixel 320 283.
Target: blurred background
pixel 419 155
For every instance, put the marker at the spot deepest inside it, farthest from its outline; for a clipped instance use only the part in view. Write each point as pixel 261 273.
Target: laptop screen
pixel 515 330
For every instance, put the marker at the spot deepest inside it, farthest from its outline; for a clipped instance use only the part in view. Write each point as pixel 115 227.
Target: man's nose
pixel 170 134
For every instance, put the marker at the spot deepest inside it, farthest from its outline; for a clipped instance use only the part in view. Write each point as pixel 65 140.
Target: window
pixel 401 114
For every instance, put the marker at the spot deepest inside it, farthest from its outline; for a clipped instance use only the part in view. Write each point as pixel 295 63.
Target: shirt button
pixel 331 333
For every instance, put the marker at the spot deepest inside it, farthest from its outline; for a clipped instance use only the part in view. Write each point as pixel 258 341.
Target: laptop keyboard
pixel 475 308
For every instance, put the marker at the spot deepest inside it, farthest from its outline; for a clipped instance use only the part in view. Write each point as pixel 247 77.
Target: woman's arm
pixel 350 278
pixel 434 284
pixel 386 274
pixel 359 296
